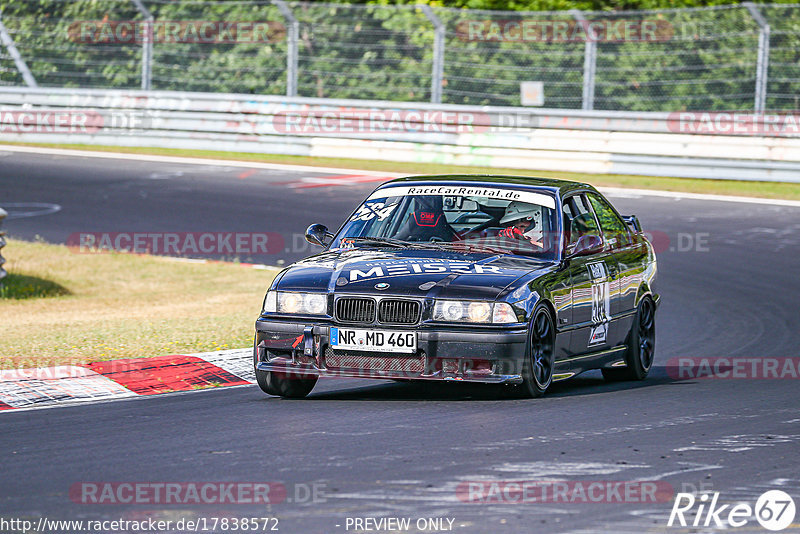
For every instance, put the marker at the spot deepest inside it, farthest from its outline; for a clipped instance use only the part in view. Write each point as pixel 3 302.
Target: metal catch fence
pixel 737 57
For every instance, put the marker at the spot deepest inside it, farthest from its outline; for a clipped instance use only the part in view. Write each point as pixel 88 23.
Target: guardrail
pixel 3 272
pixel 744 147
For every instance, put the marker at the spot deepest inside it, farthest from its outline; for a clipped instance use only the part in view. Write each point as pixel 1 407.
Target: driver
pixel 521 217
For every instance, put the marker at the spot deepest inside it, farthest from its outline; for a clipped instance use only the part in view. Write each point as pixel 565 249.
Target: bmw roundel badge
pixel 382 285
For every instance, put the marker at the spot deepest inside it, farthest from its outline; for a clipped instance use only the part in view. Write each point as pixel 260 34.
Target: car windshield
pixel 468 218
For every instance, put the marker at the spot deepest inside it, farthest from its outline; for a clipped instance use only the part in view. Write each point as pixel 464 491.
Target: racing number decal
pixel 372 210
pixel 597 270
pixel 601 302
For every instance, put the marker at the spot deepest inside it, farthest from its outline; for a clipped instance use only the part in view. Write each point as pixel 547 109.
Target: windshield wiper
pixel 439 245
pixel 471 247
pixel 397 243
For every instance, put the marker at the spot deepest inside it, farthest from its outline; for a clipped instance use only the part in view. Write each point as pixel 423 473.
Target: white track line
pixel 698 196
pixel 195 161
pixel 337 170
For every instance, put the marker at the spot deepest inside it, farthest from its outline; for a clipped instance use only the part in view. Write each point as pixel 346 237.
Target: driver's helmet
pixel 517 210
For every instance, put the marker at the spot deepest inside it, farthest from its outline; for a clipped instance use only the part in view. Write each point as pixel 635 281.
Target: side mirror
pixel 587 245
pixel 633 222
pixel 318 234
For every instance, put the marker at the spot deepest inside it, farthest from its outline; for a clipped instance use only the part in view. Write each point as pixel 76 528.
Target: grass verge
pixel 690 185
pixel 61 307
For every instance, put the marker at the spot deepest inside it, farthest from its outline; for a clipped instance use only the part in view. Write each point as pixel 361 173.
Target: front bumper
pixel 486 355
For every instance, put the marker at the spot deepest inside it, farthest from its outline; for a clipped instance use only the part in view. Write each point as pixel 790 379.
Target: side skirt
pixel 613 357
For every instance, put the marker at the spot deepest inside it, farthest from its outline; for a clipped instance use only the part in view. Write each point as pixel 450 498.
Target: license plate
pixel 373 340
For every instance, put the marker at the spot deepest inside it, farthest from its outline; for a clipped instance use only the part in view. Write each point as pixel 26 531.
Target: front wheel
pixel 537 370
pixel 641 345
pixel 279 384
pixel 283 385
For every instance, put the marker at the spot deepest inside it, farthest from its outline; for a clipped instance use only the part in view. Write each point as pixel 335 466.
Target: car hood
pixel 409 273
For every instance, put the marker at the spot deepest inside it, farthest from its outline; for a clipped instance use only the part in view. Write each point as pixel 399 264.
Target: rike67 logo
pixel 774 510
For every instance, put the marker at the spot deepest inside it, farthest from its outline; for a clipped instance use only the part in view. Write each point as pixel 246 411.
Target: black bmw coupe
pixel 493 279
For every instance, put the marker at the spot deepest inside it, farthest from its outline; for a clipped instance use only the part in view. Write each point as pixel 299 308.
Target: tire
pixel 537 369
pixel 261 379
pixel 641 345
pixel 280 385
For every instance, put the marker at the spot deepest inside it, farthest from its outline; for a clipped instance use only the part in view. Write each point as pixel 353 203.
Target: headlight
pixel 479 312
pixel 453 311
pixel 289 302
pixel 296 303
pixel 448 310
pixel 315 303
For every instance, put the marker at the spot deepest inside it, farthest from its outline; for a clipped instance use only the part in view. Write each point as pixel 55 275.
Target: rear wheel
pixel 641 345
pixel 537 370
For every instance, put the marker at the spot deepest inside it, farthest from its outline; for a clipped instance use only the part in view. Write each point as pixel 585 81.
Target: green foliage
pixel 20 286
pixel 237 67
pixel 565 5
pixel 703 59
pixel 370 52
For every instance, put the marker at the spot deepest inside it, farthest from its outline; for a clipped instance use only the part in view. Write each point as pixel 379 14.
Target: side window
pixel 614 229
pixel 578 219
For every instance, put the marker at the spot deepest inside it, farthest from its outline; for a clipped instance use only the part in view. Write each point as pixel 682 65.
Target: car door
pixel 631 258
pixel 594 281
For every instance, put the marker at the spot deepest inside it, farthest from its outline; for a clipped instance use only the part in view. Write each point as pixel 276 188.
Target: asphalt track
pixel 387 449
